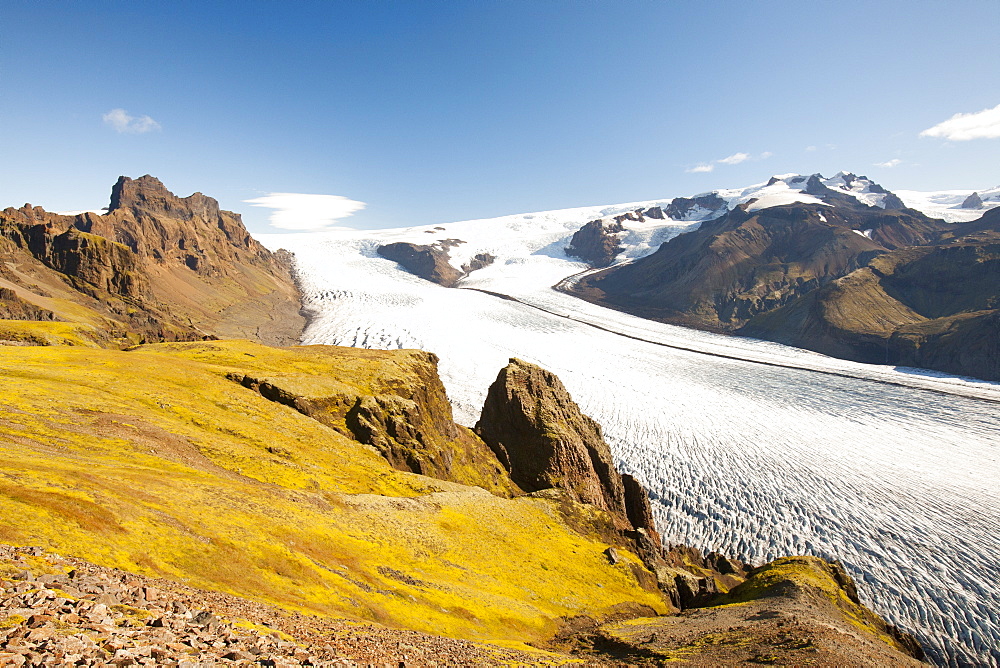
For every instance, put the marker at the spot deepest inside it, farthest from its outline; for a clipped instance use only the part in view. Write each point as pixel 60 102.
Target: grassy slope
pixel 151 460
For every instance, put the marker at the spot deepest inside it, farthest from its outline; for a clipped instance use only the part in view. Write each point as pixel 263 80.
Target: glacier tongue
pixel 749 448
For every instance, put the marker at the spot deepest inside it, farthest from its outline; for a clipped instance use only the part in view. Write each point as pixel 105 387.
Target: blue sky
pixel 440 111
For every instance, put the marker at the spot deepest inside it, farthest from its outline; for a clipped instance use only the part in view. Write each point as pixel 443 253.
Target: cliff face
pixel 596 243
pixel 155 267
pixel 396 404
pixel 540 436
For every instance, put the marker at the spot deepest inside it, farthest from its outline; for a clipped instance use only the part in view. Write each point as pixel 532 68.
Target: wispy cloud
pixel 124 122
pixel 983 124
pixel 889 163
pixel 810 149
pixel 734 159
pixel 303 212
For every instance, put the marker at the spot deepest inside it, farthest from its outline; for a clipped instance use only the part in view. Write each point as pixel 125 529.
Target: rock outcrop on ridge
pixel 433 262
pixel 597 243
pixel 544 441
pixel 155 267
pixel 396 404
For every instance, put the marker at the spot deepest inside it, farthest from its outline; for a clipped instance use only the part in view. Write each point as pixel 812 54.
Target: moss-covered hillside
pixel 155 460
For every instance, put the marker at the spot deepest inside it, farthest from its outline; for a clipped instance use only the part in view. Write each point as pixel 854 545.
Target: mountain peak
pixel 147 193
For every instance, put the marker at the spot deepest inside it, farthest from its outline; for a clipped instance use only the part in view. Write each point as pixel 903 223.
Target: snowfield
pixel 750 448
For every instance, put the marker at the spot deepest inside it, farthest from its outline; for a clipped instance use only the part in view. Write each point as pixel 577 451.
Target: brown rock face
pixel 12 307
pixel 543 439
pixel 433 262
pixel 597 243
pixel 401 409
pixel 155 267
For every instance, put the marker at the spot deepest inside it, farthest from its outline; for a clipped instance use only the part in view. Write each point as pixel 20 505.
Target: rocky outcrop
pixel 793 611
pixel 478 261
pixel 430 262
pixel 155 267
pixel 681 208
pixel 401 409
pixel 12 307
pixel 433 262
pixel 551 449
pixel 973 201
pixel 543 439
pixel 597 243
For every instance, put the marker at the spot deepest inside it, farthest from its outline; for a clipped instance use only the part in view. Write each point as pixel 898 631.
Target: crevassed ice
pixel 749 448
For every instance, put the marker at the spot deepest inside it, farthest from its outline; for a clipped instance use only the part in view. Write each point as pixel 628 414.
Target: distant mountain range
pixel 840 266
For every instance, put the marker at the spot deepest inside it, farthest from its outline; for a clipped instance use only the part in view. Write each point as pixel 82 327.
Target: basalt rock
pixel 973 201
pixel 543 439
pixel 597 243
pixel 154 267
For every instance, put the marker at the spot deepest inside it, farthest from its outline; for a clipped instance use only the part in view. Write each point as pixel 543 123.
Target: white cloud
pixel 734 159
pixel 983 124
pixel 122 121
pixel 810 149
pixel 297 211
pixel 889 163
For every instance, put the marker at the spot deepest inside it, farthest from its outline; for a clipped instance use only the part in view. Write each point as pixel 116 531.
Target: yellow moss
pixel 48 333
pixel 152 461
pixel 11 621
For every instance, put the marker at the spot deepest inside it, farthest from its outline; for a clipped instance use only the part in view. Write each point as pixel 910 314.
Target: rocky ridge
pixel 155 267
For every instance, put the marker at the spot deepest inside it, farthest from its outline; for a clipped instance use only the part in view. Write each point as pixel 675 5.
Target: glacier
pixel 748 448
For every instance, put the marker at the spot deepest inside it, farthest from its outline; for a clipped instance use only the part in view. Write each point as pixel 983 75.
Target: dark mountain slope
pixel 888 286
pixel 934 307
pixel 750 262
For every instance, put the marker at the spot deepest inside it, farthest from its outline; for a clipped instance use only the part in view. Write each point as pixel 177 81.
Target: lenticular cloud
pixel 983 124
pixel 303 212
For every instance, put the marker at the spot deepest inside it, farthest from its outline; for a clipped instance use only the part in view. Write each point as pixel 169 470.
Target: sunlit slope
pixel 154 460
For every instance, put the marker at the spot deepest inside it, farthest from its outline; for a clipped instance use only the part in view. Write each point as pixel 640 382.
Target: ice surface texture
pixel 749 448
